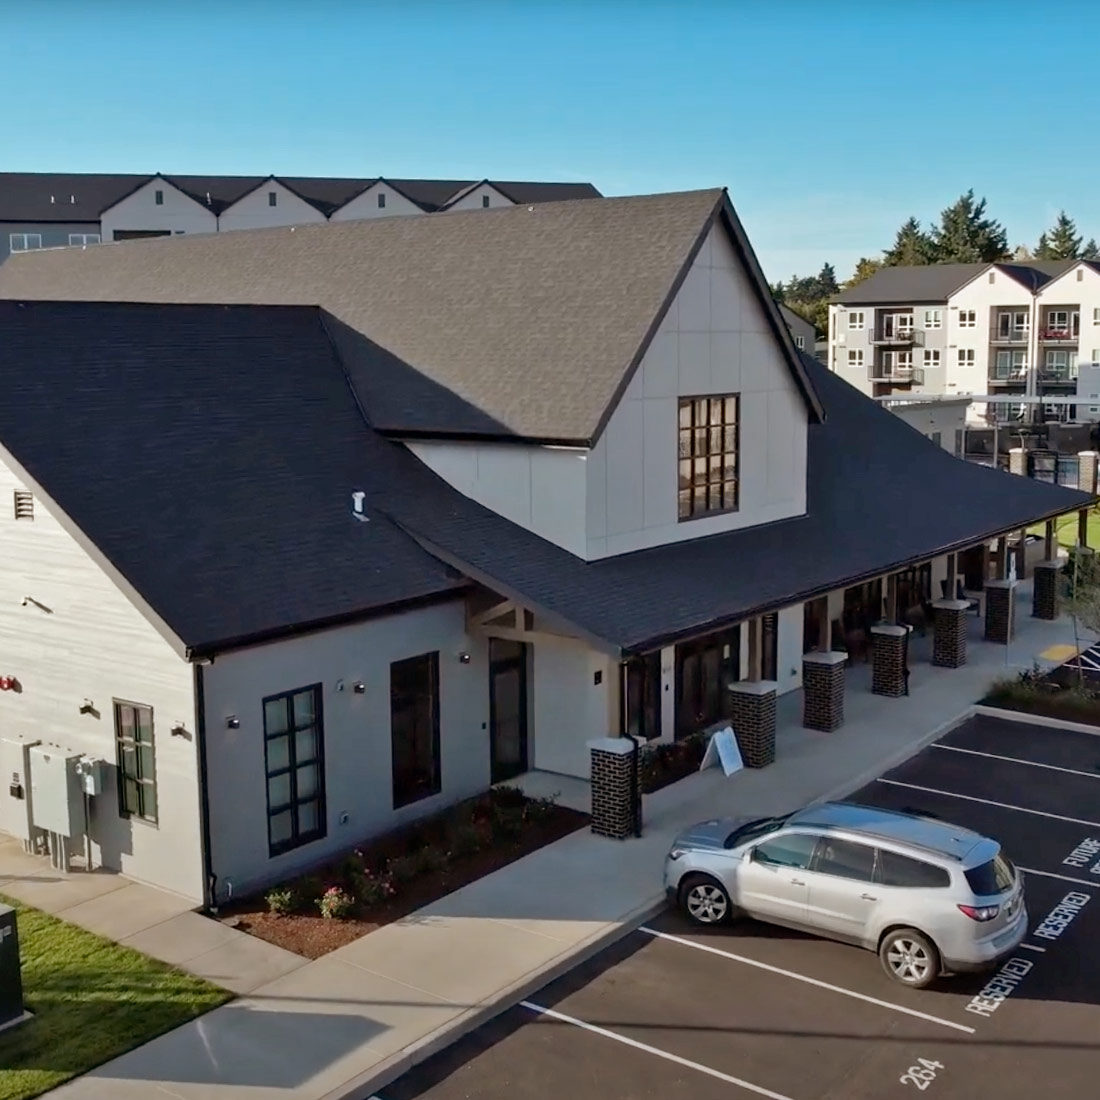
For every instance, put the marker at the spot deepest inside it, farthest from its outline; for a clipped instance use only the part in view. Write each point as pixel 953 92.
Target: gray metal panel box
pixel 15 786
pixel 11 978
pixel 57 791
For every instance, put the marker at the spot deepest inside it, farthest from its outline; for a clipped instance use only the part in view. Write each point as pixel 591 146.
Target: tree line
pixel 964 234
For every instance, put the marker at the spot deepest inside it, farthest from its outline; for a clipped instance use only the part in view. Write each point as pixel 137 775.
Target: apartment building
pixel 989 332
pixel 58 210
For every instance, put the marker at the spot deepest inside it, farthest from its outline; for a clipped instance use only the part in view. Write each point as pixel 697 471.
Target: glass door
pixel 507 709
pixel 704 669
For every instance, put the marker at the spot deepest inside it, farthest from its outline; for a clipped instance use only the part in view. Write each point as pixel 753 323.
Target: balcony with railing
pixel 1060 326
pixel 1067 335
pixel 1010 336
pixel 897 335
pixel 1058 376
pixel 903 375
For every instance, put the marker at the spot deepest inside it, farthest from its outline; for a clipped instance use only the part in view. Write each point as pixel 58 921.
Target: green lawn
pixel 1065 529
pixel 92 1000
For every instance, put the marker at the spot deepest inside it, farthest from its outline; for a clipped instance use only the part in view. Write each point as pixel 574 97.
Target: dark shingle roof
pixel 26 196
pixel 536 316
pixel 880 496
pixel 211 454
pixel 216 193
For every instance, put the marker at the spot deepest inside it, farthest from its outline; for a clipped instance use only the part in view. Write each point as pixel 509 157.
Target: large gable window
pixel 414 728
pixel 709 441
pixel 294 755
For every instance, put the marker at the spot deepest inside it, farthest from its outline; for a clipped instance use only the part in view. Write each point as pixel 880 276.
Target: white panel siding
pixel 788 648
pixel 365 205
pixel 254 210
pixel 357 744
pixel 540 488
pixel 715 339
pixel 139 211
pixel 94 645
pixel 475 199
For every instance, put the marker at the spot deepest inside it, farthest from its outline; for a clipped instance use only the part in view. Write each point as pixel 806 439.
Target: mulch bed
pixel 667 762
pixel 306 932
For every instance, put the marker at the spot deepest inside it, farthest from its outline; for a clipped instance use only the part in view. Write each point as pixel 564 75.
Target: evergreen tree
pixel 1091 250
pixel 965 235
pixel 865 268
pixel 1061 241
pixel 911 246
pixel 826 281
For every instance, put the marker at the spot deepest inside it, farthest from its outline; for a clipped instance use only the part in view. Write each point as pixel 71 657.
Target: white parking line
pixel 1032 947
pixel 1062 878
pixel 990 802
pixel 803 978
pixel 1017 760
pixel 760 1091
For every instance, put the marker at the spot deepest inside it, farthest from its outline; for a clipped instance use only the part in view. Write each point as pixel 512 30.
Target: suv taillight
pixel 980 912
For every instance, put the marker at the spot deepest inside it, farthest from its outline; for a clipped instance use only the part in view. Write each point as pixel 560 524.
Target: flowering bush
pixel 282 900
pixel 374 888
pixel 336 904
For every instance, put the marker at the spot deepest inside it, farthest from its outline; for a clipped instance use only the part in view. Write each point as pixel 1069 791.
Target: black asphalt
pixel 675 1011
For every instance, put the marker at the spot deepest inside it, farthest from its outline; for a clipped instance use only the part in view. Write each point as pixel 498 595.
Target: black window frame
pixel 138 809
pixel 405 793
pixel 272 198
pixel 381 200
pixel 298 836
pixel 158 198
pixel 695 440
pixel 484 202
pixel 642 681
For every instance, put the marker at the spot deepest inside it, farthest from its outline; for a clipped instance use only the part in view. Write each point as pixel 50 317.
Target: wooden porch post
pixel 1021 555
pixel 892 598
pixel 1048 536
pixel 952 573
pixel 755 654
pixel 1083 527
pixel 825 628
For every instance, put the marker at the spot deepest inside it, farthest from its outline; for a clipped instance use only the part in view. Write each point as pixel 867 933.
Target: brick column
pixel 612 770
pixel 1000 611
pixel 823 691
pixel 1045 590
pixel 949 633
pixel 752 714
pixel 1017 461
pixel 1086 471
pixel 888 675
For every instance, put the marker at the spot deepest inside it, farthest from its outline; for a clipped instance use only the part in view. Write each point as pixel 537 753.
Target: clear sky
pixel 829 122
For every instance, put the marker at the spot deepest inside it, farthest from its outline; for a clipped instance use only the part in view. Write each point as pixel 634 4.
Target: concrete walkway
pixel 346 1024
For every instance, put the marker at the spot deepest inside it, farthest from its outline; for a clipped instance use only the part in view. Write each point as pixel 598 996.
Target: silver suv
pixel 927 896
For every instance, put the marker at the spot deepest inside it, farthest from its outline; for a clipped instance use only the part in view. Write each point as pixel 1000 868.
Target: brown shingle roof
pixel 535 316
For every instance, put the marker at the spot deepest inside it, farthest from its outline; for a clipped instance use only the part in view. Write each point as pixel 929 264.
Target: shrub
pixel 467 840
pixel 507 822
pixel 429 860
pixel 403 869
pixel 282 900
pixel 541 809
pixel 510 797
pixel 336 904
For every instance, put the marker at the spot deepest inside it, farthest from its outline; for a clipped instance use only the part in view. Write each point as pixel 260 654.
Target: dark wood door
pixel 704 669
pixel 507 709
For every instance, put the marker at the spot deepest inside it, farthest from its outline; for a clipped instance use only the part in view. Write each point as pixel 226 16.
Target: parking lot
pixel 676 1011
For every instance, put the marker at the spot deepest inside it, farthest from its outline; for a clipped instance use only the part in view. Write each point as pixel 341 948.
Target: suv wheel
pixel 705 900
pixel 910 957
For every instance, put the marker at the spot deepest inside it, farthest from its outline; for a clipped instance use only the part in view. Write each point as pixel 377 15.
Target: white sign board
pixel 723 749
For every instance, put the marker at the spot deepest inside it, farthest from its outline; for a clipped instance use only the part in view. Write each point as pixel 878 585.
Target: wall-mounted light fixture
pixel 338 686
pixel 464 658
pixel 40 606
pixel 359 687
pixel 87 707
pixel 232 722
pixel 178 730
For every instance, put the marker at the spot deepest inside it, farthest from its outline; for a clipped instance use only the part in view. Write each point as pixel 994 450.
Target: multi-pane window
pixel 485 201
pixel 931 357
pixel 83 238
pixel 1061 364
pixel 855 318
pixel 273 198
pixel 855 358
pixel 643 696
pixel 158 198
pixel 381 200
pixel 966 357
pixel 1010 364
pixel 295 766
pixel 968 318
pixel 708 455
pixel 1012 325
pixel 414 728
pixel 137 774
pixel 24 242
pixel 933 318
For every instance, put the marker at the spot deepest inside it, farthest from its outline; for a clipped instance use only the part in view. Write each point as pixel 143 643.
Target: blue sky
pixel 829 122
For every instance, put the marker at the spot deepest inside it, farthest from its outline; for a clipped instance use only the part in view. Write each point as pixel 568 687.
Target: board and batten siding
pixel 715 339
pixel 357 735
pixel 365 205
pixel 254 210
pixel 179 213
pixel 94 646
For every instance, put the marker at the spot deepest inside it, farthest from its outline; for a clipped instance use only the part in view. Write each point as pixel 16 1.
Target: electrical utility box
pixel 11 978
pixel 15 786
pixel 93 774
pixel 57 791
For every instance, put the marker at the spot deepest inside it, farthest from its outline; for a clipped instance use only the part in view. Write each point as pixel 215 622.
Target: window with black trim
pixel 643 696
pixel 381 200
pixel 158 198
pixel 485 201
pixel 23 503
pixel 708 446
pixel 272 198
pixel 294 756
pixel 414 728
pixel 137 773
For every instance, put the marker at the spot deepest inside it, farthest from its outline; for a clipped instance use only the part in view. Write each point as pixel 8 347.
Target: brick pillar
pixel 1086 471
pixel 1045 590
pixel 1000 611
pixel 612 770
pixel 1017 461
pixel 823 691
pixel 888 645
pixel 949 633
pixel 752 714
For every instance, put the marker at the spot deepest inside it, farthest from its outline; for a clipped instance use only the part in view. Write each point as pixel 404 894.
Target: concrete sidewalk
pixel 346 1024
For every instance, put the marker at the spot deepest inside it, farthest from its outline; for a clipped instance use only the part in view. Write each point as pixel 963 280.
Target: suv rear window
pixel 898 870
pixel 994 877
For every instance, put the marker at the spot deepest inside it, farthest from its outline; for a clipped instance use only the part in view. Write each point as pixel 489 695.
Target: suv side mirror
pixel 753 857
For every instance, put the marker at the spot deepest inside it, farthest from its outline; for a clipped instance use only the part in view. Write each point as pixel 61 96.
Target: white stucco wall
pixel 357 739
pixel 178 214
pixel 715 339
pixel 254 210
pixel 93 644
pixel 475 199
pixel 928 418
pixel 843 339
pixel 540 488
pixel 365 205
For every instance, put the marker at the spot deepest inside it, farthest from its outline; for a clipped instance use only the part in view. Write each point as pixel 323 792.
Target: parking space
pixel 673 1010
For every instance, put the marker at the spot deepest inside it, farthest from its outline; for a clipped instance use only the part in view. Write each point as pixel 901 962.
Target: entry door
pixel 507 709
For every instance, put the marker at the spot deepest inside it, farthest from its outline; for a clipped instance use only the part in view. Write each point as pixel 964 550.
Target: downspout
pixel 209 879
pixel 635 756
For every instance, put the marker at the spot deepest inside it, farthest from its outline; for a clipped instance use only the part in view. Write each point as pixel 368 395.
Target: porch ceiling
pixel 880 497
